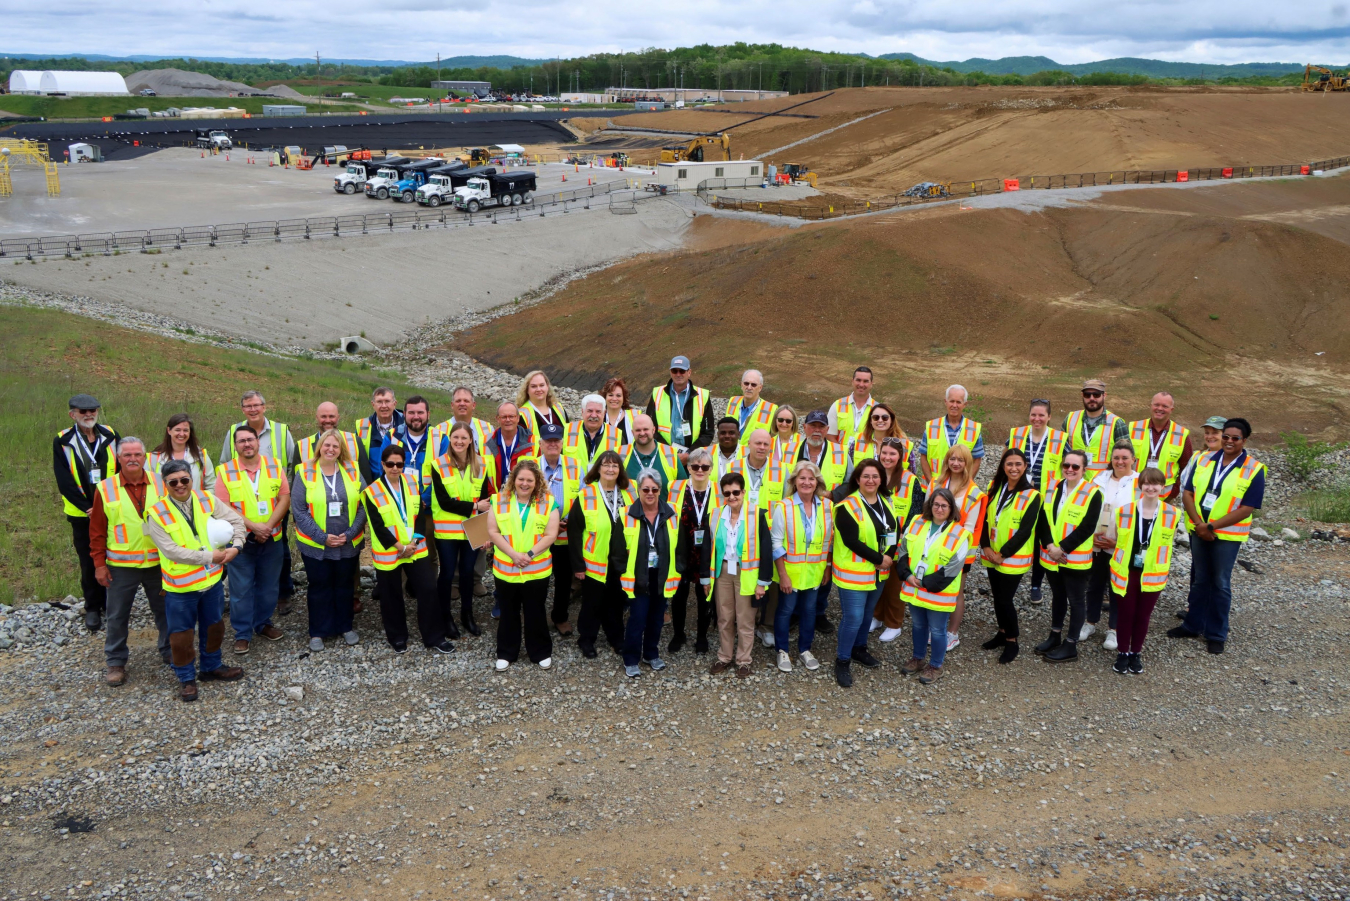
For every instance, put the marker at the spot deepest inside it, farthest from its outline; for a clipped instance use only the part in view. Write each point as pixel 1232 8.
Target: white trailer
pixel 688 176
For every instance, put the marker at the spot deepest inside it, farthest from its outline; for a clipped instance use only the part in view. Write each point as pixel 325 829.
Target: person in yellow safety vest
pixel 1095 429
pixel 786 439
pixel 82 456
pixel 656 558
pixel 828 456
pixel 1223 492
pixel 124 558
pixel 848 413
pixel 1069 518
pixel 751 411
pixel 377 431
pixel 460 489
pixel 801 529
pixel 538 402
pixel 1142 557
pixel 259 490
pixel 1044 448
pixel 509 443
pixel 763 488
pixel 881 424
pixel 595 540
pixel 180 443
pixel 696 501
pixel 682 412
pixel 586 438
pixel 928 563
pixel 645 453
pixel 865 531
pixel 326 417
pixel 1162 443
pixel 330 526
pixel 522 526
pixel 958 477
pixel 729 450
pixel 942 434
pixel 463 405
pixel 399 552
pixel 617 412
pixel 563 477
pixel 190 568
pixel 906 497
pixel 737 570
pixel 1008 544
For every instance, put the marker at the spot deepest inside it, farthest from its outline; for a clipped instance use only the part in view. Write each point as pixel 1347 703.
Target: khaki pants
pixel 735 619
pixel 890 609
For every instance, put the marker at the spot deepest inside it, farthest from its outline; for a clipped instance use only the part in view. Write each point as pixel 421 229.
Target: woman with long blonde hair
pixel 537 397
pixel 958 477
pixel 460 488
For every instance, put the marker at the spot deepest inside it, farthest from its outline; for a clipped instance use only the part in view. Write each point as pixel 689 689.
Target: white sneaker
pixel 891 634
pixel 1110 642
pixel 546 663
pixel 1086 632
pixel 808 660
pixel 952 640
pixel 502 665
pixel 876 624
pixel 784 662
pixel 766 636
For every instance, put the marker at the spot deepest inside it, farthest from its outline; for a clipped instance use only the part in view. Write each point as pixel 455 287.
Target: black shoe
pixel 451 630
pixel 466 617
pixel 1035 594
pixel 1009 653
pixel 1049 644
pixel 1122 664
pixel 701 644
pixel 1181 632
pixel 863 656
pixel 824 626
pixel 1136 665
pixel 1067 652
pixel 444 647
pixel 400 647
pixel 843 674
pixel 93 620
pixel 1181 614
pixel 996 642
pixel 587 650
pixel 676 643
pixel 285 607
pixel 1214 647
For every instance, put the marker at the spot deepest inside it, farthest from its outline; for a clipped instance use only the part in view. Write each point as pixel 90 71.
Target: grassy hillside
pixel 95 107
pixel 142 379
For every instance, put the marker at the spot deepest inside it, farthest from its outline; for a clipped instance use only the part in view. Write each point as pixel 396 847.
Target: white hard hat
pixel 219 532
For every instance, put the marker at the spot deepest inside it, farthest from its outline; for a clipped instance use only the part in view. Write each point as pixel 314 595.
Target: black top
pixel 1024 531
pixel 846 529
pixel 79 492
pixel 1085 529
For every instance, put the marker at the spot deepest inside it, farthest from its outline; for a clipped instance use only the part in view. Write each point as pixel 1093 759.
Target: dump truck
pixel 499 189
pixel 413 177
pixel 386 176
pixel 441 184
pixel 703 149
pixel 213 138
pixel 354 178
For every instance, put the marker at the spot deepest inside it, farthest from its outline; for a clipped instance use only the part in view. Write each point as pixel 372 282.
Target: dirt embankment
pixel 1229 312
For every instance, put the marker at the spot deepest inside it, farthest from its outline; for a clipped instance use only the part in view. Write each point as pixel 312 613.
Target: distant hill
pixel 1154 68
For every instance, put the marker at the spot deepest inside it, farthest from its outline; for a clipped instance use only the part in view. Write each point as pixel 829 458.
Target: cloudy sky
pixel 1069 31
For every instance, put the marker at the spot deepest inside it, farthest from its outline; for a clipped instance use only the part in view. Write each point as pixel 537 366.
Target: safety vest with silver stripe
pixel 128 545
pixel 805 555
pixel 760 416
pixel 1231 493
pixel 240 489
pixel 461 485
pixel 1157 556
pixel 939 554
pixel 1063 521
pixel 935 431
pixel 663 400
pixel 398 522
pixel 1003 525
pixel 1097 446
pixel 185 577
pixel 574 443
pixel 849 570
pixel 521 538
pixel 306 452
pixel 1173 444
pixel 316 498
pixel 628 581
pixel 1052 454
pixel 599 527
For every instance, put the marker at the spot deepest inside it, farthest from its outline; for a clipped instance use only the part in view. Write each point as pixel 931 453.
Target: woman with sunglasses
pixel 958 477
pixel 802 532
pixel 864 551
pixel 595 540
pixel 652 573
pixel 617 412
pixel 522 526
pixel 906 497
pixel 1067 523
pixel 929 564
pixel 740 560
pixel 696 502
pixel 330 524
pixel 881 423
pixel 180 443
pixel 786 439
pixel 1008 544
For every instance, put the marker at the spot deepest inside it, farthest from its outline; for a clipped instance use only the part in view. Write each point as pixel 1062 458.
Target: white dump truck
pixel 499 189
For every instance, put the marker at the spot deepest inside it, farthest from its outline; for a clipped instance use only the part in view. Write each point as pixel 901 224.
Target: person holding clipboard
pixel 522 525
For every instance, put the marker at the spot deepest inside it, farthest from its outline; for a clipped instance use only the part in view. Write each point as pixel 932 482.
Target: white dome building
pixel 28 81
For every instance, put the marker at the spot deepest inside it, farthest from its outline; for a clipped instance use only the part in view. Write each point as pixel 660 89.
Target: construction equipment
pixel 929 189
pixel 477 156
pixel 19 152
pixel 798 173
pixel 1327 81
pixel 703 149
pixel 616 160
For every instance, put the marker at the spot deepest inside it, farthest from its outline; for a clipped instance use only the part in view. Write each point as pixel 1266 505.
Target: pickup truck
pixel 498 189
pixel 414 175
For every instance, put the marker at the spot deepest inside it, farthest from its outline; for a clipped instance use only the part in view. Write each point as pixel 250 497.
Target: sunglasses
pixel 651 490
pixel 1234 438
pixel 784 420
pixel 881 417
pixel 1071 467
pixel 178 483
pixel 699 467
pixel 1092 394
pixel 84 412
pixel 1040 402
pixel 735 492
pixel 678 371
pixel 892 442
pixel 393 464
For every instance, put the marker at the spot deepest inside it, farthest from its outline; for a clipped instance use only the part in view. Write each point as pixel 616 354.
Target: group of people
pixel 632 510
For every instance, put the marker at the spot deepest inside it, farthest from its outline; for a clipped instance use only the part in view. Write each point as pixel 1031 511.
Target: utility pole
pixel 438 68
pixel 317 76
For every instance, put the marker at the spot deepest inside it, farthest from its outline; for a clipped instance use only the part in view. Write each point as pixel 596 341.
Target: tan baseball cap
pixel 1094 385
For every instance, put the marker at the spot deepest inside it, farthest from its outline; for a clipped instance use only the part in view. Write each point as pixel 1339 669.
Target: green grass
pixel 141 379
pixel 1327 504
pixel 95 107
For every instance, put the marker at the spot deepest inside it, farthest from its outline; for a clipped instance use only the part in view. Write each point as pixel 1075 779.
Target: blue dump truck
pixel 497 189
pixel 413 177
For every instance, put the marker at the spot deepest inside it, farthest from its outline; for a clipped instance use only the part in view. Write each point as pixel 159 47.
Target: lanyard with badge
pixel 261 507
pixel 927 546
pixel 698 514
pixel 611 499
pixel 334 502
pixel 1212 492
pixel 1154 447
pixel 1004 496
pixel 397 494
pixel 809 520
pixel 1142 539
pixel 731 556
pixel 1034 451
pixel 95 471
pixel 888 535
pixel 414 451
pixel 653 556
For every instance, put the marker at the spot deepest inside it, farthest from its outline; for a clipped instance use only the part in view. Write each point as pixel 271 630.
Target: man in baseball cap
pixel 1094 430
pixel 683 413
pixel 563 478
pixel 82 456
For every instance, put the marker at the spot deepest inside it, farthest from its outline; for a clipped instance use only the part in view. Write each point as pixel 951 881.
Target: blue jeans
pixel 254 576
pixel 457 557
pixel 1211 587
pixel 803 603
pixel 200 610
pixel 930 629
pixel 646 616
pixel 855 613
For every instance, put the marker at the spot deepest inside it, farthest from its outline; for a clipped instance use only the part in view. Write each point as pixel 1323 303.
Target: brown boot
pixel 930 675
pixel 116 676
pixel 241 647
pixel 223 674
pixel 719 667
pixel 743 671
pixel 271 633
pixel 187 692
pixel 915 665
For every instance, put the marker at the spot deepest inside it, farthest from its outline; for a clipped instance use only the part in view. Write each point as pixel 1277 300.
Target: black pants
pixel 707 610
pixel 330 594
pixel 562 583
pixel 1099 589
pixel 601 607
pixel 1037 571
pixel 523 600
pixel 95 595
pixel 1004 588
pixel 457 558
pixel 1068 591
pixel 431 613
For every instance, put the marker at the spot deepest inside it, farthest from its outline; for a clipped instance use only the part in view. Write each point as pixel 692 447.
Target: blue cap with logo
pixel 680 362
pixel 550 431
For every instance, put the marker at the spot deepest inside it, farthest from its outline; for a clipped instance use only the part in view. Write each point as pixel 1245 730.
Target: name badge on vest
pixel 918 571
pixel 95 476
pixel 1209 500
pixel 698 538
pixel 335 508
pixel 264 509
pixel 1153 463
pixel 653 559
pixel 890 540
pixel 1137 560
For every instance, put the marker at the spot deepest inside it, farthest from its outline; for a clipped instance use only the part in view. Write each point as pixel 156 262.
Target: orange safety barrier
pixel 1012 184
pixel 1183 175
pixel 1228 172
pixel 1305 170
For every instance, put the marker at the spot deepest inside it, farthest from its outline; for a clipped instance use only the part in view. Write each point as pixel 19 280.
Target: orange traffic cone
pixel 588 182
pixel 564 178
pixel 203 154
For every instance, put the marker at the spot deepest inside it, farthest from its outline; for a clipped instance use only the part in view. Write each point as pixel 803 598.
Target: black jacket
pixel 706 431
pixel 1085 529
pixel 934 581
pixel 80 490
pixel 664 514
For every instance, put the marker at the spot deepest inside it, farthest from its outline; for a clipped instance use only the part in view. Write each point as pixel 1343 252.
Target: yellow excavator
pixel 703 149
pixel 1326 81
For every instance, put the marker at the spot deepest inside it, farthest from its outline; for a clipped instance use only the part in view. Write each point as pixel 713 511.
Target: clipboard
pixel 476 530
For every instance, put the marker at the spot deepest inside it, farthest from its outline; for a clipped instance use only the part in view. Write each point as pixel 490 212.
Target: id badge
pixel 1209 500
pixel 335 508
pixel 653 559
pixel 1152 463
pixel 698 538
pixel 1137 561
pixel 890 539
pixel 918 571
pixel 264 509
pixel 95 476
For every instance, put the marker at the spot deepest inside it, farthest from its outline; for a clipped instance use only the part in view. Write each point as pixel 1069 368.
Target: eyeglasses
pixel 1092 394
pixel 733 492
pixel 84 412
pixel 750 384
pixel 881 417
pixel 393 464
pixel 252 406
pixel 1070 467
pixel 784 420
pixel 178 483
pixel 650 490
pixel 699 467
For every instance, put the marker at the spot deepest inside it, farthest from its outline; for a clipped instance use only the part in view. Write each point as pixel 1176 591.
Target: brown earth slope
pixel 1229 312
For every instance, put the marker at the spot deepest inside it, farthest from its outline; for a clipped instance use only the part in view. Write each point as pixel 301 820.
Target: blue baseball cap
pixel 680 362
pixel 550 431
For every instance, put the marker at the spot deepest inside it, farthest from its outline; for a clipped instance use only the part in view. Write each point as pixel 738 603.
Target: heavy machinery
pixel 797 173
pixel 1326 81
pixel 929 189
pixel 703 149
pixel 476 156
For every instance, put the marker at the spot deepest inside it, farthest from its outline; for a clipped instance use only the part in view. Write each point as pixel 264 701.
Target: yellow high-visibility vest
pixel 253 507
pixel 184 577
pixel 1174 442
pixel 599 527
pixel 1157 556
pixel 1231 492
pixel 1071 513
pixel 521 537
pixel 397 519
pixel 939 555
pixel 1003 525
pixel 316 498
pixel 128 545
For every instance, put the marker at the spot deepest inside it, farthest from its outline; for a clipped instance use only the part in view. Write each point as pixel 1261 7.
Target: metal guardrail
pixel 156 240
pixel 829 208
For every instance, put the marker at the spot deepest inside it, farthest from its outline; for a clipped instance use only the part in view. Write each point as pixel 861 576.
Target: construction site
pixel 1014 240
